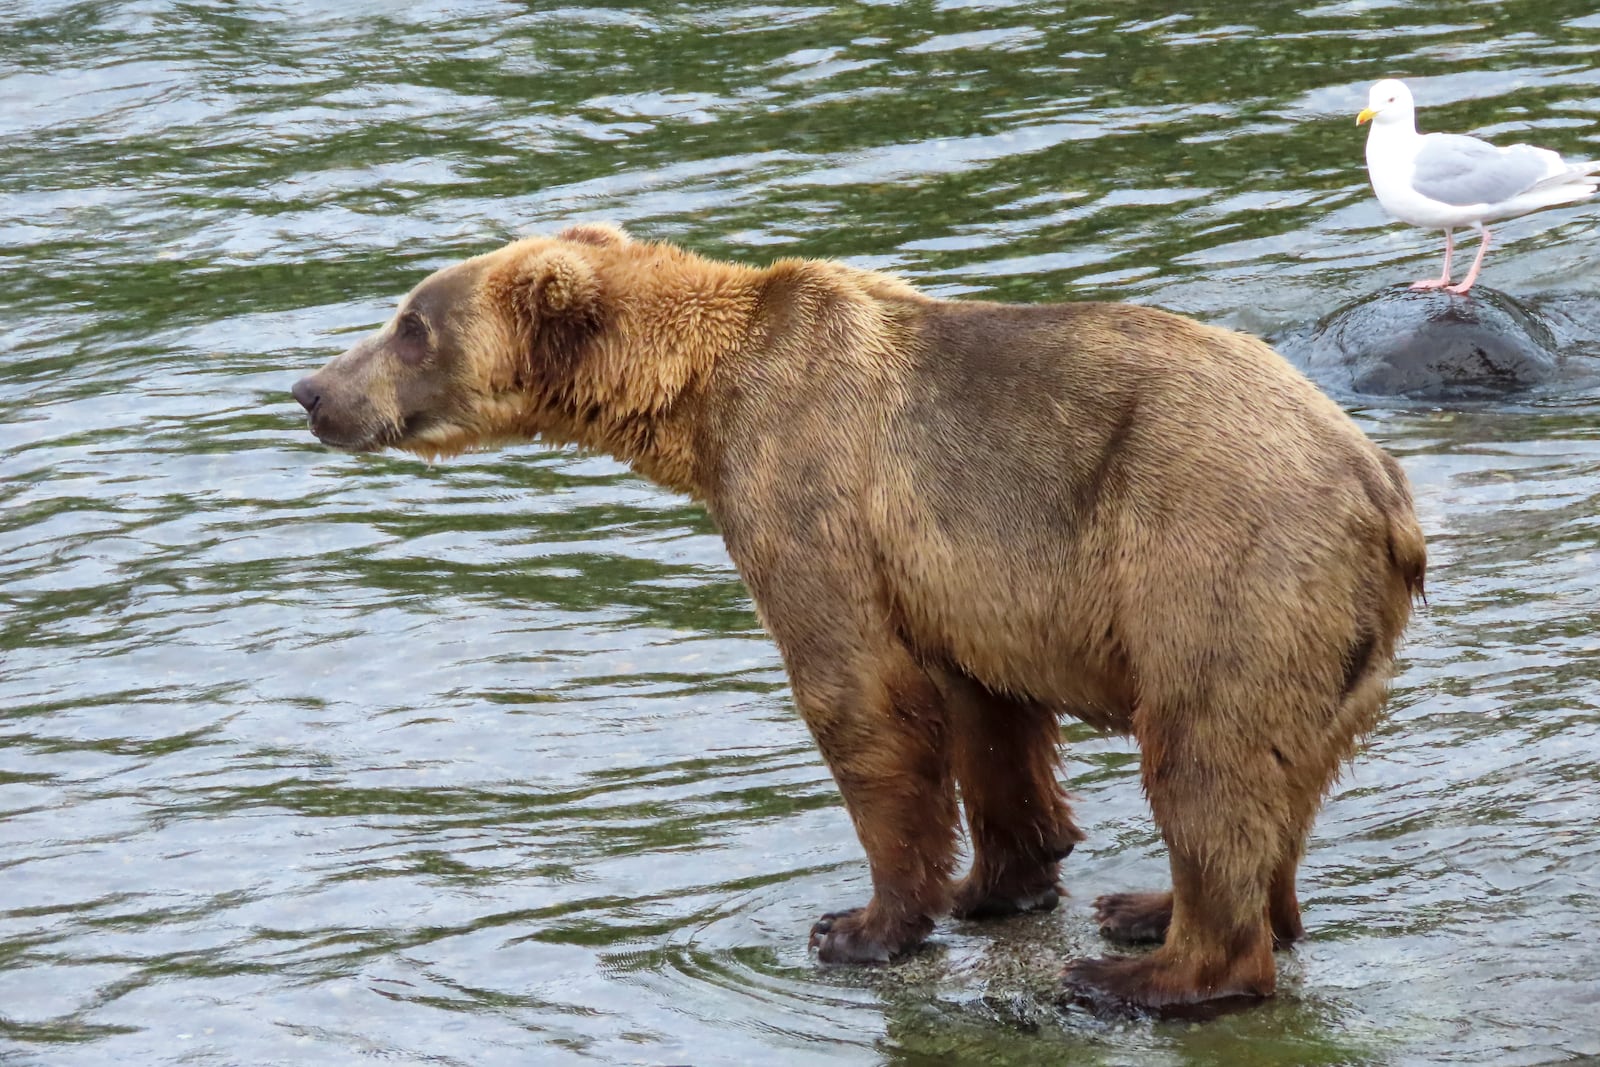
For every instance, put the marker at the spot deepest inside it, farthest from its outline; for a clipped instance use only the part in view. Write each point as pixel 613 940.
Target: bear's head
pixel 481 352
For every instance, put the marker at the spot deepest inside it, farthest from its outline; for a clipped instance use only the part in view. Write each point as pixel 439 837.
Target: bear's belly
pixel 1023 636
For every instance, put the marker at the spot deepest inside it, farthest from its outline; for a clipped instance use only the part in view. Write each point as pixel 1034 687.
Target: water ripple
pixel 305 757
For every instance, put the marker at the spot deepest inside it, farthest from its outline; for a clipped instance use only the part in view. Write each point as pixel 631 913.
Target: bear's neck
pixel 662 385
pixel 641 393
pixel 661 445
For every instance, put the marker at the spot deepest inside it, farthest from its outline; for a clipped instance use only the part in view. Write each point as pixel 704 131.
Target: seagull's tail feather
pixel 1585 172
pixel 1576 181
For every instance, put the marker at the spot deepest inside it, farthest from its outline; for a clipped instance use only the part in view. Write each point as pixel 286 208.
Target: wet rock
pixel 1426 344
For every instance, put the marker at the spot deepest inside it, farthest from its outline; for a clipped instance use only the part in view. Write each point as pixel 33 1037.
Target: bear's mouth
pixel 349 446
pixel 375 439
pixel 362 439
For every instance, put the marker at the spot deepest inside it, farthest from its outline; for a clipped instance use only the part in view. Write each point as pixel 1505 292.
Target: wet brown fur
pixel 961 521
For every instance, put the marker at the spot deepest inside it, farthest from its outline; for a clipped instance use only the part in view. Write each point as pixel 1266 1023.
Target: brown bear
pixel 960 521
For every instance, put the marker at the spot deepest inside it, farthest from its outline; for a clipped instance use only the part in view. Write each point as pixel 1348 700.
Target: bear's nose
pixel 307 393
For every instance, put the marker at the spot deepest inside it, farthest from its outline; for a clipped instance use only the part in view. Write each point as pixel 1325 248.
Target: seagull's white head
pixel 1389 102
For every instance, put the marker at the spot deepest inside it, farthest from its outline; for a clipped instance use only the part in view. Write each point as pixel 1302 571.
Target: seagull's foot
pixel 1432 283
pixel 1459 290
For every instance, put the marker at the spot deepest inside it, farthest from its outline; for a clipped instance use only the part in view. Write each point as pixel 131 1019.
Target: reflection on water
pixel 305 757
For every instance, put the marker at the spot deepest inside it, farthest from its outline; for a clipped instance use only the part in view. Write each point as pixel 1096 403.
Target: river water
pixel 314 758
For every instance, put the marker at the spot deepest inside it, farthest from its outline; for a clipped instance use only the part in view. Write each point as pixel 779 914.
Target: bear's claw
pixel 861 935
pixel 995 904
pixel 1130 986
pixel 1134 918
pixel 839 937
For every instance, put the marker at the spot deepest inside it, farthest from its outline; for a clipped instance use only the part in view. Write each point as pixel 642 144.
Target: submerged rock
pixel 1429 345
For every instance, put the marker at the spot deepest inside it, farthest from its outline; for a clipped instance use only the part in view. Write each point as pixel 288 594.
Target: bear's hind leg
pixel 1310 771
pixel 1306 767
pixel 1223 816
pixel 1006 758
pixel 1283 905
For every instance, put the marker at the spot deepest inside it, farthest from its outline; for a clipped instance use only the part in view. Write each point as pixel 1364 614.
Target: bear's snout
pixel 327 417
pixel 345 414
pixel 307 393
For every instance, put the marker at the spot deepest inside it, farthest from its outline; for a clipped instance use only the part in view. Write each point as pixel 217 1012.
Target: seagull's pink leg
pixel 1472 275
pixel 1443 279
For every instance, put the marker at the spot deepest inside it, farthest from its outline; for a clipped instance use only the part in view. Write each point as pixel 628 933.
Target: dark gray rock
pixel 1425 344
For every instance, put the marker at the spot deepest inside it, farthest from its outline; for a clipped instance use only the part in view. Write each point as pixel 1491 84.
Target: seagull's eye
pixel 1392 99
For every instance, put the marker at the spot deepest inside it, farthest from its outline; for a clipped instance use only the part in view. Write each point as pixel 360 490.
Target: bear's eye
pixel 410 327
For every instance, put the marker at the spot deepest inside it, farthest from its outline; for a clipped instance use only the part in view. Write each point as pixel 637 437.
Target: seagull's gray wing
pixel 1458 170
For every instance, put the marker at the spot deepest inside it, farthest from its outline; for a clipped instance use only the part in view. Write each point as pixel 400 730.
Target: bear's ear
pixel 602 234
pixel 551 295
pixel 548 284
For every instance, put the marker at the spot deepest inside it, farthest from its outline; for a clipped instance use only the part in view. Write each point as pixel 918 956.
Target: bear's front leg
pixel 880 724
pixel 878 718
pixel 1006 758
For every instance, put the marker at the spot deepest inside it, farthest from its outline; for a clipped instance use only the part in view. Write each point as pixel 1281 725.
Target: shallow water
pixel 307 757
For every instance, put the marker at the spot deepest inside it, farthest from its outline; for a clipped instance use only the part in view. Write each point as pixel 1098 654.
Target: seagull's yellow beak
pixel 1367 115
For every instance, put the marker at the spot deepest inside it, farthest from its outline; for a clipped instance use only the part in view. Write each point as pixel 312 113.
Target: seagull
pixel 1443 181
